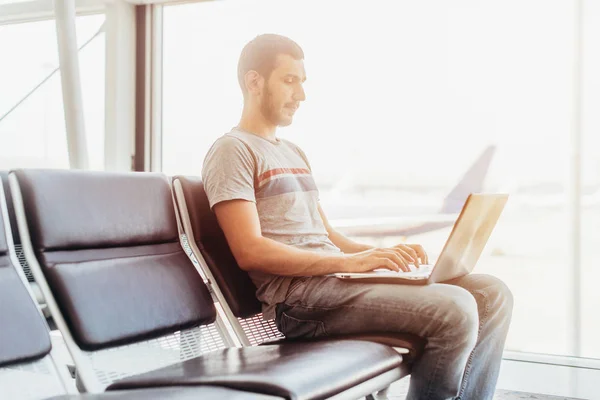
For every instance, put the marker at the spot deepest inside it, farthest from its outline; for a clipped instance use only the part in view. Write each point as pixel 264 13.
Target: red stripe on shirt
pixel 279 171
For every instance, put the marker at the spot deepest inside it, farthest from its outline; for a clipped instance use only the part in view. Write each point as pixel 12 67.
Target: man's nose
pixel 299 94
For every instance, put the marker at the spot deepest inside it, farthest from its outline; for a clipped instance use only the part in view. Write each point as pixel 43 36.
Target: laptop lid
pixel 469 236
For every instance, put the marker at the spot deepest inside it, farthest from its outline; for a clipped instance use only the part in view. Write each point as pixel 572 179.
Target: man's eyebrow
pixel 295 77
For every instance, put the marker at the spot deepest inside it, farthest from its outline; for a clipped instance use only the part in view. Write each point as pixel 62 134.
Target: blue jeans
pixel 465 322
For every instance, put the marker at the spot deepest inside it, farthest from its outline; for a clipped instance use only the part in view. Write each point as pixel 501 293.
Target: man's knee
pixel 460 316
pixel 499 295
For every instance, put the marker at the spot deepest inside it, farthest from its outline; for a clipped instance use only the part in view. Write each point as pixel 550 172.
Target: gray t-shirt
pixel 276 176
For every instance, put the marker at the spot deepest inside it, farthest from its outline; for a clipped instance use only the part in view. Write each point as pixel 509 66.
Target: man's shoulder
pixel 290 144
pixel 230 142
pixel 228 149
pixel 296 148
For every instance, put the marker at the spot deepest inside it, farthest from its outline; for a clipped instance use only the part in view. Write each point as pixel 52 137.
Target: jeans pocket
pixel 294 285
pixel 300 328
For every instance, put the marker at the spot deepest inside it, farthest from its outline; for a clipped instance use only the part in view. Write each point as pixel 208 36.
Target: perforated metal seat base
pixel 120 362
pixel 259 331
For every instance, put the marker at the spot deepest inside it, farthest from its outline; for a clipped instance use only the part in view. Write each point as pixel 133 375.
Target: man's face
pixel 283 91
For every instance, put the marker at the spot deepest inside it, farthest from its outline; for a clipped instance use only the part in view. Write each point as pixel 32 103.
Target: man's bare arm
pixel 411 253
pixel 253 252
pixel 344 243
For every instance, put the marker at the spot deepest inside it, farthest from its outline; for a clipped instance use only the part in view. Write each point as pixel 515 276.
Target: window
pixel 590 213
pixel 402 97
pixel 32 127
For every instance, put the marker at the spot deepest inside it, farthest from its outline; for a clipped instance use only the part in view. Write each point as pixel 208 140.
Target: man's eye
pixel 289 80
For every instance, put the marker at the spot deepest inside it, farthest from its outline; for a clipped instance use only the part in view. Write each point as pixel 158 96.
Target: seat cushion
pixel 293 371
pixel 121 295
pixel 23 333
pixel 413 344
pixel 172 393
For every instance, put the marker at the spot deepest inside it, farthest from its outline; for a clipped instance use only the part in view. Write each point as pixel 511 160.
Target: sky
pixel 409 92
pixel 398 93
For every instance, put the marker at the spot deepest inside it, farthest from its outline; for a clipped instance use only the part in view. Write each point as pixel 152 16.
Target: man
pixel 266 201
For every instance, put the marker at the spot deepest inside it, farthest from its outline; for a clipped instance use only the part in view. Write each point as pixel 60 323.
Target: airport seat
pixel 27 369
pixel 233 287
pixel 171 393
pixel 135 313
pixel 24 340
pixel 19 249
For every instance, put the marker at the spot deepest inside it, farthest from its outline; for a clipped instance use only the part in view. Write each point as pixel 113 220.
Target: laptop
pixel 461 252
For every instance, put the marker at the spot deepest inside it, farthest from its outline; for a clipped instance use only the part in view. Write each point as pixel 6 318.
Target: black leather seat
pixel 9 204
pixel 108 246
pixel 24 339
pixel 172 393
pixel 235 284
pixel 17 243
pixel 23 333
pixel 315 370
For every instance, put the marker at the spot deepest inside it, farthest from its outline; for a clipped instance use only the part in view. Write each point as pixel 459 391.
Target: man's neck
pixel 258 127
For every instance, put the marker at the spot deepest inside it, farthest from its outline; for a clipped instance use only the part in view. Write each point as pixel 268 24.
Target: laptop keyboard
pixel 424 270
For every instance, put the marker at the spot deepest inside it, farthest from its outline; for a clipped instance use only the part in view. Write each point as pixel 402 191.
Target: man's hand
pixel 413 253
pixel 397 258
pixel 368 260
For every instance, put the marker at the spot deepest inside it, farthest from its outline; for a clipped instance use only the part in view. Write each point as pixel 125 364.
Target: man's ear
pixel 254 82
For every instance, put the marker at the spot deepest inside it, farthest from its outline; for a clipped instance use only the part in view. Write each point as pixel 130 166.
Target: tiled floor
pixel 510 395
pixel 398 392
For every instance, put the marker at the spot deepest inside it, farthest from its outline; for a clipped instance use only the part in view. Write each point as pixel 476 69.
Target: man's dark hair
pixel 261 52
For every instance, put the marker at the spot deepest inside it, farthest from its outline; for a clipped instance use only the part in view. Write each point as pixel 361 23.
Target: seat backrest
pixel 11 211
pixel 25 368
pixel 108 246
pixel 23 332
pixel 235 284
pixel 14 229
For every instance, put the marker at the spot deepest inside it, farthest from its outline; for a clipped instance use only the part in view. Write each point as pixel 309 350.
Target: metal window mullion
pixel 31 11
pixel 575 171
pixel 154 47
pixel 71 83
pixel 120 87
pixel 147 87
pixel 141 152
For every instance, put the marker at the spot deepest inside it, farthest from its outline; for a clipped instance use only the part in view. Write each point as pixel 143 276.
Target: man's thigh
pixel 481 283
pixel 321 306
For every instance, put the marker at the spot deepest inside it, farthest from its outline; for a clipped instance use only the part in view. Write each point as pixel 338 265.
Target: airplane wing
pixel 401 226
pixel 471 182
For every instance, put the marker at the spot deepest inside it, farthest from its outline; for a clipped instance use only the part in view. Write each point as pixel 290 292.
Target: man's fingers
pixel 409 257
pixel 421 252
pixel 397 258
pixel 409 254
pixel 403 253
pixel 387 263
pixel 407 249
pixel 424 257
pixel 416 256
pixel 402 263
